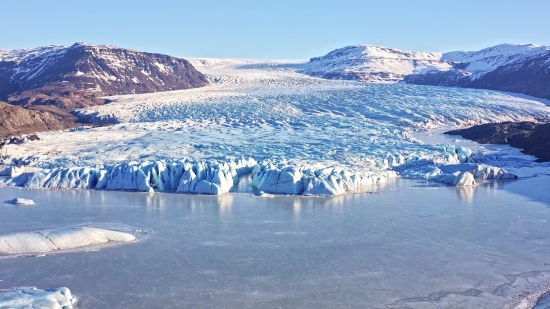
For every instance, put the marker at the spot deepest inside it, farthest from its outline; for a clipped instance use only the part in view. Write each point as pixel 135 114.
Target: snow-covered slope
pixel 515 67
pixel 488 59
pixel 373 64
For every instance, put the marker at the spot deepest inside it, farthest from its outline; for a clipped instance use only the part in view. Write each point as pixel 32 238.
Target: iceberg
pixel 59 239
pixel 24 298
pixel 20 201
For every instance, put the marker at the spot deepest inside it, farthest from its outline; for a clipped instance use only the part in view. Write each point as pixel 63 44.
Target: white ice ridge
pixel 284 179
pixel 204 177
pixel 31 298
pixel 214 177
pixel 201 177
pixel 59 239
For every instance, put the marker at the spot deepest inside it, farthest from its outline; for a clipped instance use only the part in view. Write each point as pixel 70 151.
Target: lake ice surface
pixel 412 246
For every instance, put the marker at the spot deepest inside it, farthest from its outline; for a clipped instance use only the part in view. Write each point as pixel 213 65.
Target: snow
pixel 370 61
pixel 262 126
pixel 488 59
pixel 59 239
pixel 25 298
pixel 20 201
pixel 18 55
pixel 380 64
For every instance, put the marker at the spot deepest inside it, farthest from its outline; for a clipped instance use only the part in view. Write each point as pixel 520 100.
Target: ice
pixel 59 239
pixel 31 298
pixel 204 177
pixel 461 174
pixel 13 171
pixel 219 177
pixel 20 201
pixel 460 179
pixel 317 180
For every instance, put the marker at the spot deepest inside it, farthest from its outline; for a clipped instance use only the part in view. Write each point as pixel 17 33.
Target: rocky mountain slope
pixel 533 138
pixel 15 120
pixel 75 76
pixel 506 67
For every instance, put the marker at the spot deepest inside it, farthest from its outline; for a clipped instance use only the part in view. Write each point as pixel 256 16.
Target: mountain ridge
pixel 519 68
pixel 81 73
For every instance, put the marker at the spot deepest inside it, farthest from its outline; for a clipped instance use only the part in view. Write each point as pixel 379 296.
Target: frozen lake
pixel 410 246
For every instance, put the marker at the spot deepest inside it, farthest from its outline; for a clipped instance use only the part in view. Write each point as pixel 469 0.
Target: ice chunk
pixel 483 171
pixel 59 239
pixel 20 201
pixel 461 174
pixel 12 171
pixel 460 179
pixel 60 298
pixel 313 180
pixel 74 178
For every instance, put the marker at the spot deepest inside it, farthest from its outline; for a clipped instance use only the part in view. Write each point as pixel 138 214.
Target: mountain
pixel 75 76
pixel 373 64
pixel 506 67
pixel 15 120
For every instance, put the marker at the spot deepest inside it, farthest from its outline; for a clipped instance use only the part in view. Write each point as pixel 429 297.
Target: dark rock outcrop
pixel 15 120
pixel 533 138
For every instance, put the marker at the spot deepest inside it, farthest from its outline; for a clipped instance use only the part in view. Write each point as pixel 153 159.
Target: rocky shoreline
pixel 532 137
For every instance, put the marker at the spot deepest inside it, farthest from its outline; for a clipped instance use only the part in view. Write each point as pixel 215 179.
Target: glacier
pixel 264 127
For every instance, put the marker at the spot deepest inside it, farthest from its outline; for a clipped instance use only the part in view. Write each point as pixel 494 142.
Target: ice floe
pixel 31 298
pixel 59 239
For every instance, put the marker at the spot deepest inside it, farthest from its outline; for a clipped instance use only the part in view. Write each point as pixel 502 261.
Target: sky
pixel 282 29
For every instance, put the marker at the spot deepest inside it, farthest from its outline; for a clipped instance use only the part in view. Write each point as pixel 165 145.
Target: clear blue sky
pixel 274 29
